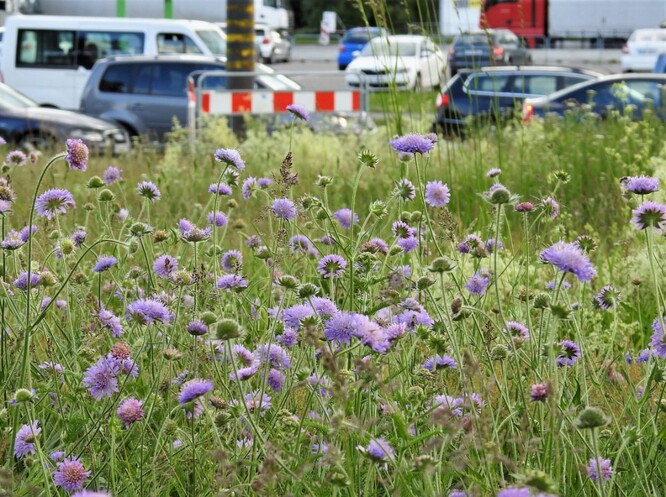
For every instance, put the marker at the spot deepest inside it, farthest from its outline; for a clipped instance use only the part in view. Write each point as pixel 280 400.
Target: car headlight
pixel 87 135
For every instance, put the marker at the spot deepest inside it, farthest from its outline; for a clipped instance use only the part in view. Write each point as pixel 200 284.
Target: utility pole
pixel 121 8
pixel 168 9
pixel 240 51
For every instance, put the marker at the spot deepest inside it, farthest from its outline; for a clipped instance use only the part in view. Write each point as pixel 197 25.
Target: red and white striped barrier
pixel 269 102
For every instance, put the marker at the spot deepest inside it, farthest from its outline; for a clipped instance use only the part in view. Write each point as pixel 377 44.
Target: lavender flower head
pixel 105 263
pixel 22 281
pixel 570 353
pixel 193 389
pixel 25 439
pixel 230 157
pixel 148 311
pixel 112 175
pixel 517 330
pixel 478 283
pixel 539 392
pixel 551 207
pixel 649 214
pixel 514 492
pixel 130 411
pixel 299 243
pixel 408 244
pixel 284 208
pixel 440 362
pixel 494 172
pixel 78 237
pixel 16 158
pixel 641 185
pixel 249 186
pixel 149 191
pixel 331 266
pixel 70 474
pixel 607 297
pixel 412 144
pixel 90 493
pixel 100 378
pixel 165 265
pixel 405 189
pixel 437 194
pixel 346 217
pixel 53 202
pixel 231 282
pixel 77 154
pixel 219 219
pixel 298 111
pixel 111 322
pixel 191 233
pixel 232 260
pixel 380 450
pixel 220 189
pixel 599 469
pixel 569 258
pixel 658 339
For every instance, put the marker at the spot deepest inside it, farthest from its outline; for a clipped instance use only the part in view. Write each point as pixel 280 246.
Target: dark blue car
pixel 354 40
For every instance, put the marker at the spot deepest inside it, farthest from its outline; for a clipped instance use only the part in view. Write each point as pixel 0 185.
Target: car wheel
pixel 270 59
pixel 342 67
pixel 418 84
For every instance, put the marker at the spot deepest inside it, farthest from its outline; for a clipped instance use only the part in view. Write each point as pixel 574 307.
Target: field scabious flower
pixel 649 214
pixel 105 263
pixel 408 244
pixel 90 493
pixel 70 474
pixel 331 266
pixel 599 469
pixel 229 157
pixel 231 282
pixel 220 189
pixel 607 297
pixel 539 392
pixel 299 243
pixel 149 191
pixel 478 283
pixel 298 111
pixel 440 362
pixel 641 185
pixel 569 258
pixel 401 229
pixel 16 158
pixel 658 339
pixel 77 154
pixel 405 189
pixel 517 330
pixel 165 265
pixel 249 186
pixel 283 208
pixel 570 353
pixel 412 144
pixel 22 281
pixel 232 260
pixel 130 411
pixel 112 175
pixel 514 492
pixel 25 439
pixel 346 217
pixel 100 378
pixel 380 450
pixel 219 219
pixel 193 389
pixel 342 326
pixel 551 207
pixel 148 311
pixel 111 322
pixel 53 202
pixel 191 233
pixel 437 194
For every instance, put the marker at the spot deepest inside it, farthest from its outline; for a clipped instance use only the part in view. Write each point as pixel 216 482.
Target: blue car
pixel 354 40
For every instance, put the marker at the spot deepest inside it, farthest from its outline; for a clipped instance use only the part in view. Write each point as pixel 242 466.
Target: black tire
pixel 418 84
pixel 270 59
pixel 342 67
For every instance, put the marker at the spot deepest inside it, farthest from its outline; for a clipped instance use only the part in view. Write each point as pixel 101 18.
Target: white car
pixel 642 49
pixel 271 45
pixel 400 61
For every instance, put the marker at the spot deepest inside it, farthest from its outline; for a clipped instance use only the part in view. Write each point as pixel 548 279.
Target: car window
pixel 649 90
pixel 214 39
pixel 472 39
pixel 212 82
pixel 379 46
pixel 143 79
pixel 170 78
pixel 45 48
pixel 117 78
pixel 571 80
pixel 487 82
pixel 168 43
pixel 540 84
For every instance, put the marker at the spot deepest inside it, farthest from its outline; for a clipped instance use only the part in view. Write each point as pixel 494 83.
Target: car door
pixel 489 94
pixel 431 62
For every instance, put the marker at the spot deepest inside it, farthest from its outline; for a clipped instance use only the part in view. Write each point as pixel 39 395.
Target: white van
pixel 48 58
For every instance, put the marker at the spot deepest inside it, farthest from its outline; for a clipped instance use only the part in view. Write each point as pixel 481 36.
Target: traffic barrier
pixel 204 102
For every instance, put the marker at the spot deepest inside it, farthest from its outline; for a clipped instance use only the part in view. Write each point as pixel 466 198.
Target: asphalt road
pixel 315 67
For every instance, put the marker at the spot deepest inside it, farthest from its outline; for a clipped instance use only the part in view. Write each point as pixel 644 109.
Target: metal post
pixel 240 51
pixel 168 9
pixel 121 8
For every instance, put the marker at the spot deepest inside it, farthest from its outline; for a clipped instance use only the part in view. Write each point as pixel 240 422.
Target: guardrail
pixel 203 101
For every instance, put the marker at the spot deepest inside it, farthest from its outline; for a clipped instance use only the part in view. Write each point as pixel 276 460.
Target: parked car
pixel 491 93
pixel 642 49
pixel 622 93
pixel 660 65
pixel 271 45
pixel 401 61
pixel 354 40
pixel 31 127
pixel 476 49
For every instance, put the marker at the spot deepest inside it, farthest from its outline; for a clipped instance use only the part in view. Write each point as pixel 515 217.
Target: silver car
pixel 271 45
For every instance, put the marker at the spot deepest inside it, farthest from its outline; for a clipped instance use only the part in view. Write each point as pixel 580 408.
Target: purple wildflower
pixel 197 328
pixel 264 182
pixel 346 217
pixel 130 411
pixel 331 266
pixel 375 246
pixel 551 285
pixel 275 380
pixel 22 281
pixel 607 297
pixel 70 474
pixel 539 392
pixel 285 209
pixel 165 265
pixel 401 229
pixel 25 439
pixel 100 378
pixel 16 158
pixel 274 355
pixel 413 318
pixel 570 353
pixel 493 173
pixel 440 362
pixel 517 330
pixel 407 244
pixel 380 449
pixel 412 144
pixel 12 241
pixel 53 202
pixel 437 194
pixel 57 455
pixel 112 175
pixel 219 219
pixel 298 111
pixel 524 207
pixel 342 326
pixel 191 233
pixel 147 311
pixel 569 258
pixel 641 185
pixel 514 492
pixel 289 338
pixel 478 283
pixel 110 322
pixel 405 189
pixel 149 191
pixel 231 282
pixel 105 263
pixel 299 243
pixel 643 356
pixel 599 469
pixel 230 157
pixel 658 339
pixel 249 185
pixel 78 238
pixel 90 493
pixel 551 207
pixel 232 260
pixel 193 389
pixel 77 154
pixel 649 214
pixel 220 189
pixel 52 367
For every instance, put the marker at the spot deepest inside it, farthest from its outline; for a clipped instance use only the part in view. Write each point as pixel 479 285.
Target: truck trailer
pixel 607 22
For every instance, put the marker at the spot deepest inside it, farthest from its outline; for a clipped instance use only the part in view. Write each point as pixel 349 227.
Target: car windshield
pixel 472 39
pixel 360 36
pixel 215 40
pixel 390 48
pixel 11 99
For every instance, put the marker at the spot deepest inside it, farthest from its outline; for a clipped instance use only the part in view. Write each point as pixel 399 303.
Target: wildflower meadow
pixel 331 315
